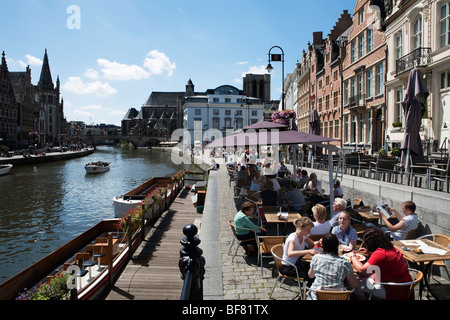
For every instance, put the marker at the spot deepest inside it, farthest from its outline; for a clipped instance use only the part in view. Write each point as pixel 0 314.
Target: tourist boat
pixel 132 198
pixel 97 167
pixel 5 168
pixel 94 276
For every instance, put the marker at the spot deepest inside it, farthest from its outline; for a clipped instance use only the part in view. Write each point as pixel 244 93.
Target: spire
pixel 45 82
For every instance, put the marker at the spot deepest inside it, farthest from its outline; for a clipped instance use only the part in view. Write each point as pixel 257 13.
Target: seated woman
pixel 392 266
pixel 344 232
pixel 241 220
pixel 321 226
pixel 296 246
pixel 329 270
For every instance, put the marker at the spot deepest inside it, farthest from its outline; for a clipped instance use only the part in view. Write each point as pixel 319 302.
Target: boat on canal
pixel 5 168
pixel 97 167
pixel 130 200
pixel 93 261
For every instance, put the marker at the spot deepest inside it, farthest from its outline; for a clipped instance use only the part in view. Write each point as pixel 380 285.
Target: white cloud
pixel 256 70
pixel 91 74
pixel 122 72
pixel 241 63
pixel 33 61
pixel 76 85
pixel 157 62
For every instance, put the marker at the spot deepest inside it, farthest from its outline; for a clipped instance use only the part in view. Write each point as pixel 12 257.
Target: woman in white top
pixel 321 226
pixel 297 245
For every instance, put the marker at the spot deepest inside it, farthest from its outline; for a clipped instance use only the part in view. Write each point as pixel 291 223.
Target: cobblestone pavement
pixel 242 278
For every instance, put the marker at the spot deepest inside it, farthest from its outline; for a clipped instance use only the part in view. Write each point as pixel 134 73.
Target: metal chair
pixel 266 243
pixel 411 284
pixel 277 252
pixel 443 240
pixel 441 175
pixel 239 242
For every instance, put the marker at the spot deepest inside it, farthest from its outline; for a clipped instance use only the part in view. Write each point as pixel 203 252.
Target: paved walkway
pixel 241 279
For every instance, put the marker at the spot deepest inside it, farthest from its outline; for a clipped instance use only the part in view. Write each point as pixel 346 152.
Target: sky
pixel 111 55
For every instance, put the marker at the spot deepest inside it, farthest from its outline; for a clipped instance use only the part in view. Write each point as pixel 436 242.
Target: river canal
pixel 46 205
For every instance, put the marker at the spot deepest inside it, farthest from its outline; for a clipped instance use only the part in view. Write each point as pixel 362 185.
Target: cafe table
pixel 274 217
pixel 368 214
pixel 431 252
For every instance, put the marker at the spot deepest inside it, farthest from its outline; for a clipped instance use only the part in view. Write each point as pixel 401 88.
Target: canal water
pixel 44 206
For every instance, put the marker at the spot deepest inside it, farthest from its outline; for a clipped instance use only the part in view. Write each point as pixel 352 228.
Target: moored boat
pixel 5 168
pixel 97 256
pixel 131 199
pixel 97 167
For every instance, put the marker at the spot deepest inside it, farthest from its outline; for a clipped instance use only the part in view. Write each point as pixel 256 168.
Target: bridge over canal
pixel 136 141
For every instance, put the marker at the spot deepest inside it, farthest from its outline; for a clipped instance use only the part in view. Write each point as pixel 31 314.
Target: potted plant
pixel 382 152
pixel 397 126
pixel 55 288
pixel 395 152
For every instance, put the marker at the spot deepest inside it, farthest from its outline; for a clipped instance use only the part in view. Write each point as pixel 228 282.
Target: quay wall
pixel 54 156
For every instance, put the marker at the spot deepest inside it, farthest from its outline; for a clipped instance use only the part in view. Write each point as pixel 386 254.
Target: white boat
pixel 97 167
pixel 4 169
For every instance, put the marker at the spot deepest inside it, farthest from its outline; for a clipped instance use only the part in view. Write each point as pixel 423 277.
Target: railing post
pixel 191 264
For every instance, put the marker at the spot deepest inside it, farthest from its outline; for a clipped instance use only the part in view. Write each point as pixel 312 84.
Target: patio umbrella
pixel 264 137
pixel 314 128
pixel 413 110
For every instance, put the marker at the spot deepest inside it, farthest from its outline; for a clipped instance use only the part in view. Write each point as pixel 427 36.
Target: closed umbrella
pixel 413 111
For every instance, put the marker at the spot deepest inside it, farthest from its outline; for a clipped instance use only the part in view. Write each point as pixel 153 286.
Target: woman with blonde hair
pixel 296 246
pixel 321 226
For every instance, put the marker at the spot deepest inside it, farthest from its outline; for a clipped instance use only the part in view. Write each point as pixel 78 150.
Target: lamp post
pixel 269 68
pixel 248 108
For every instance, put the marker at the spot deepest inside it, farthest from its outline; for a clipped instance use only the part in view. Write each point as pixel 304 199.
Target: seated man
pixel 295 196
pixel 400 230
pixel 269 197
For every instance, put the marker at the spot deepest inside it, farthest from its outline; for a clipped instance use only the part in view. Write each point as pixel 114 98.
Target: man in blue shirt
pixel 295 196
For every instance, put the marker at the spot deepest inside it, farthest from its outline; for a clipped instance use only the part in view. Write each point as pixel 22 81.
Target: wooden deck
pixel 153 274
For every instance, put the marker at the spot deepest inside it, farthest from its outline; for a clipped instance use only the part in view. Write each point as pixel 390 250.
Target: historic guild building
pixel 30 114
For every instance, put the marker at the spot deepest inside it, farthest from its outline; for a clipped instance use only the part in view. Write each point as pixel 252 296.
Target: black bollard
pixel 191 264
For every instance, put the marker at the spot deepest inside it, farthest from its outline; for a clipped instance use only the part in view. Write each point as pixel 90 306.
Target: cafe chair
pixel 266 243
pixel 326 294
pixel 277 252
pixel 239 242
pixel 443 240
pixel 411 284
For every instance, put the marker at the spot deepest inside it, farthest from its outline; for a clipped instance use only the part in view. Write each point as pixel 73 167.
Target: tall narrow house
pixel 8 109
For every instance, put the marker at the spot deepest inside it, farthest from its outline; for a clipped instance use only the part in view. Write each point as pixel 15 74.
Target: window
pixel 215 100
pixel 398 45
pixel 336 129
pixel 353 51
pixel 335 99
pixel 362 45
pixel 398 114
pixel 228 112
pixel 216 122
pixel 360 16
pixel 361 128
pixel 445 79
pixel 445 24
pixel 369 126
pixel 417 33
pixel 353 133
pixel 216 112
pixel 379 81
pixel 227 100
pixel 369 40
pixel 369 83
pixel 254 113
pixel 198 112
pixel 346 92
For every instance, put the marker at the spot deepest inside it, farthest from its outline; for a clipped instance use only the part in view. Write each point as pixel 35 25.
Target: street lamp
pixel 269 68
pixel 248 108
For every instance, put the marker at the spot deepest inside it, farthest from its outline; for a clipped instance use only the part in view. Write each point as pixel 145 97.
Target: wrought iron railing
pixel 356 101
pixel 420 57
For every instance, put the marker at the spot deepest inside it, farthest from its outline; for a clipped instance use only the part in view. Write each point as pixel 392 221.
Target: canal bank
pixel 20 160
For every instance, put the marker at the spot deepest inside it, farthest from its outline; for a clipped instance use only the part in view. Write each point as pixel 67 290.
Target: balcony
pixel 420 57
pixel 356 102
